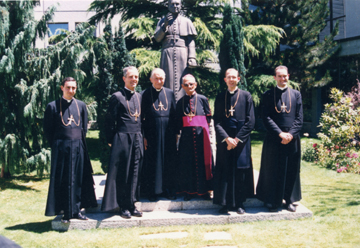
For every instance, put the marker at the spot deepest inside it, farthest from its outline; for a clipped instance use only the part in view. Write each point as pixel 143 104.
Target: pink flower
pixel 337 165
pixel 355 155
pixel 347 154
pixel 314 145
pixel 339 170
pixel 336 147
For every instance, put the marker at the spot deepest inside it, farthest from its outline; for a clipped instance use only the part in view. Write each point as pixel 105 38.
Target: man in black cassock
pixel 194 157
pixel 234 120
pixel 123 133
pixel 71 183
pixel 158 114
pixel 279 177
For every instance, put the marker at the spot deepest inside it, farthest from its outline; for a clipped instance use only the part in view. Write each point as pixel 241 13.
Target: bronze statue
pixel 178 55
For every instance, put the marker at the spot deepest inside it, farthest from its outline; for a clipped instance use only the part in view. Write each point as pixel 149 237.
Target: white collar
pixel 232 92
pixel 282 88
pixel 131 91
pixel 67 99
pixel 158 90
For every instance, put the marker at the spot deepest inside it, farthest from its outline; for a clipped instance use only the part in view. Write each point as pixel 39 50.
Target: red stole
pixel 200 121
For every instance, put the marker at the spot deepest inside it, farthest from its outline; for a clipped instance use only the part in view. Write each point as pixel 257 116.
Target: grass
pixel 334 199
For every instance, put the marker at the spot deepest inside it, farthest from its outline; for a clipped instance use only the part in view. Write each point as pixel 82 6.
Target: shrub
pixel 339 126
pixel 309 153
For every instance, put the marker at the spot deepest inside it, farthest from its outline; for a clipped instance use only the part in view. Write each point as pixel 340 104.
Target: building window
pixel 56 28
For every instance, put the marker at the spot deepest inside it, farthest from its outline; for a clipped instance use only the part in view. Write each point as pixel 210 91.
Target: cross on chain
pixel 136 115
pixel 161 106
pixel 191 115
pixel 70 119
pixel 232 110
pixel 283 107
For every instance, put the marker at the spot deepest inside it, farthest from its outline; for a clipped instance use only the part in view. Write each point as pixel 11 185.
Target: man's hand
pixel 286 138
pixel 109 144
pixel 231 143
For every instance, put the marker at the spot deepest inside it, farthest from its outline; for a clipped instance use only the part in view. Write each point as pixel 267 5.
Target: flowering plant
pixel 339 126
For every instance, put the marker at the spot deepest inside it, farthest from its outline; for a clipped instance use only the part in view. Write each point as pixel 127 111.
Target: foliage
pixel 354 94
pixel 20 127
pixel 300 50
pixel 232 46
pixel 308 152
pixel 339 124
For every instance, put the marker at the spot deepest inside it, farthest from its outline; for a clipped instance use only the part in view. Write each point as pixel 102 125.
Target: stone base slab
pixel 181 217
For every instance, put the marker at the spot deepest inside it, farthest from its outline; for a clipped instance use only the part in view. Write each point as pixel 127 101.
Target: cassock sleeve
pixel 221 134
pixel 49 123
pixel 172 114
pixel 110 119
pixel 298 122
pixel 269 123
pixel 207 110
pixel 178 116
pixel 249 125
pixel 84 118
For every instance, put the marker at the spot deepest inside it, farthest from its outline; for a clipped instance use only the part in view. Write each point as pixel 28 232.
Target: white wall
pixel 71 12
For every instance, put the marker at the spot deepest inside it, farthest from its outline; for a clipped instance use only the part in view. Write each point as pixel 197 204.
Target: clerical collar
pixel 281 88
pixel 67 99
pixel 158 90
pixel 232 92
pixel 131 91
pixel 192 94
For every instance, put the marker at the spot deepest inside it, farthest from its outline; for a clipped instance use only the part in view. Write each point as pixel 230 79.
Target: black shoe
pixel 80 216
pixel 125 213
pixel 65 219
pixel 187 197
pixel 136 213
pixel 153 198
pixel 271 207
pixel 224 210
pixel 290 207
pixel 240 210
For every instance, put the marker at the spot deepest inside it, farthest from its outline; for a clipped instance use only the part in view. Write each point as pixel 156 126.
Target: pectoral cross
pixel 283 107
pixel 232 110
pixel 191 115
pixel 161 106
pixel 70 119
pixel 136 115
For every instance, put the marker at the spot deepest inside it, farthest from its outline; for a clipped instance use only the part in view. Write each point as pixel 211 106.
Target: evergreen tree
pixel 31 78
pixel 232 46
pixel 300 50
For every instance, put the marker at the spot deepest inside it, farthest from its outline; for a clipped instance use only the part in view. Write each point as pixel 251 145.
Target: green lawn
pixel 333 198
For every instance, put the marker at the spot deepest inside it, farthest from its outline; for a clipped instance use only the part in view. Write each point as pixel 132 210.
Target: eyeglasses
pixel 187 85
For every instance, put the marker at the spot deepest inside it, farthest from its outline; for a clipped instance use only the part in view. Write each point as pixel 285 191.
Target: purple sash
pixel 200 121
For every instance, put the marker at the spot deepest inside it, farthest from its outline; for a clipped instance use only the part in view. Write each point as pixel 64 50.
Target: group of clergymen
pixel 161 147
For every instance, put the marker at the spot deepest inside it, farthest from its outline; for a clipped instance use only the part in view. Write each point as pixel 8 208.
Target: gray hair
pixel 157 69
pixel 188 76
pixel 129 68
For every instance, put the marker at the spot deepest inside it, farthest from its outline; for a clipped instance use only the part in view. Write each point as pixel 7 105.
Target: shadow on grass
pixel 36 227
pixel 329 199
pixel 15 183
pixel 257 137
